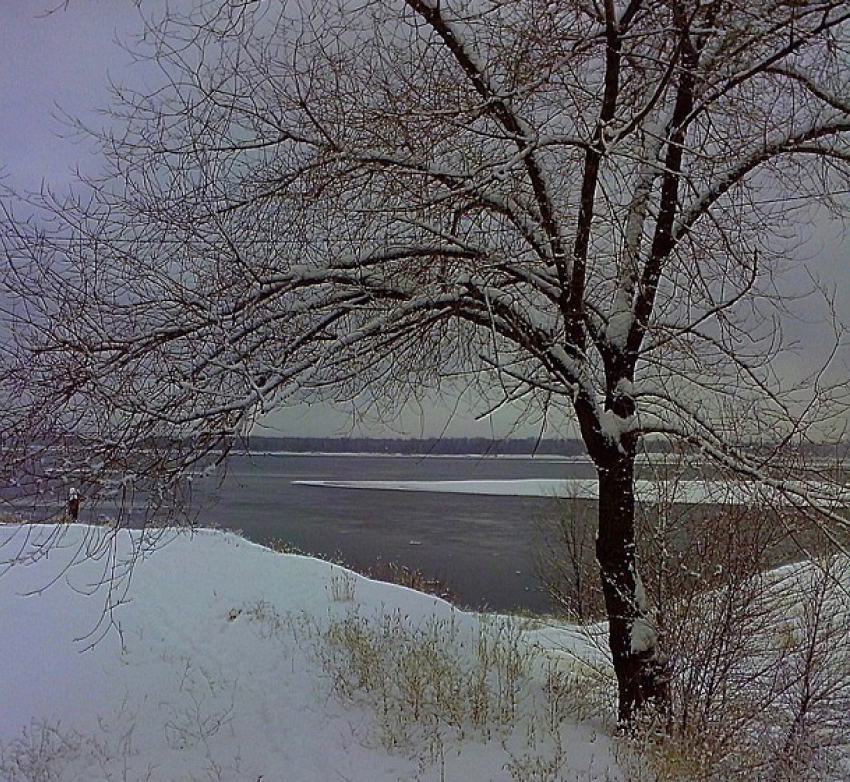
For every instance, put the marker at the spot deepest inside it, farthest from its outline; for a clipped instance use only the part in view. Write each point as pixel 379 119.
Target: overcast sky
pixel 64 60
pixel 49 61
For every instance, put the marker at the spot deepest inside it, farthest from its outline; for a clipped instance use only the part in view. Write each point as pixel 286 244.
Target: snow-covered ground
pixel 183 657
pixel 223 660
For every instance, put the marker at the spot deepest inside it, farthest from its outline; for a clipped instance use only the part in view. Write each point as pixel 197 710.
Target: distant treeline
pixel 522 446
pixel 443 446
pixel 447 446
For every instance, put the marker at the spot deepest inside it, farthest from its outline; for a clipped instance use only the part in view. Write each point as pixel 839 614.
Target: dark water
pixel 483 547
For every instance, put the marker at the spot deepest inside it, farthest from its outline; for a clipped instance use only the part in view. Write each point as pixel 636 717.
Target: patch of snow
pixel 526 487
pixel 619 325
pixel 614 427
pixel 644 636
pixel 682 492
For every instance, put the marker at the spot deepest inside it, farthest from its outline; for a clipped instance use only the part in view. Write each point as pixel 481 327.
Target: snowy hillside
pixel 227 661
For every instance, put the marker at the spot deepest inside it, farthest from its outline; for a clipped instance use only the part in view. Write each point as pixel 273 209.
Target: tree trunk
pixel 640 669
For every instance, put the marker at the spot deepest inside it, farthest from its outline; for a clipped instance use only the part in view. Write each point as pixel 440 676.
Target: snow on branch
pixel 523 133
pixel 788 143
pixel 792 36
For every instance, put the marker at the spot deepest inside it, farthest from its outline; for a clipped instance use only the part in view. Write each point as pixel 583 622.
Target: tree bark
pixel 641 671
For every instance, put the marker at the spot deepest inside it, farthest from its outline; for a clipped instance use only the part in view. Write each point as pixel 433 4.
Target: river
pixel 483 547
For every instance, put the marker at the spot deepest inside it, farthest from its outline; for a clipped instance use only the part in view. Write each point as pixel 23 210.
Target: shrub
pixel 756 656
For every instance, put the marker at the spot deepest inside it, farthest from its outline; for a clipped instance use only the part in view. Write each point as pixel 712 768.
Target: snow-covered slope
pixel 215 665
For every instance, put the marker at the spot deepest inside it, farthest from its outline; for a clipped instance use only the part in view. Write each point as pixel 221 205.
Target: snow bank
pixel 208 670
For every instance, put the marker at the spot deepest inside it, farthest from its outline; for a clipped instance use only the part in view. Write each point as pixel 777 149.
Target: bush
pixel 757 657
pixel 401 575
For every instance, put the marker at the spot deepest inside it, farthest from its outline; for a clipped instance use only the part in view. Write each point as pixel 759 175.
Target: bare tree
pixel 576 203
